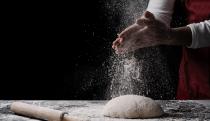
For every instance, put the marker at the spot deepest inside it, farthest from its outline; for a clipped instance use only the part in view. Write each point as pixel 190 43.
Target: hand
pixel 146 32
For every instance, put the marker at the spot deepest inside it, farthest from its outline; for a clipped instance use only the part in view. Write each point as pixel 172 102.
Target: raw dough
pixel 132 106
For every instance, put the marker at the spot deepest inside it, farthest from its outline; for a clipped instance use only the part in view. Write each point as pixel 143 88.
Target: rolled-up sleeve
pixel 162 10
pixel 200 34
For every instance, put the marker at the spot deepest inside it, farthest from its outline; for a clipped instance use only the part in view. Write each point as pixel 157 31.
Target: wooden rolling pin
pixel 41 112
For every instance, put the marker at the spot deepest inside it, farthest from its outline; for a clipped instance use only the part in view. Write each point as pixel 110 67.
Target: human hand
pixel 146 32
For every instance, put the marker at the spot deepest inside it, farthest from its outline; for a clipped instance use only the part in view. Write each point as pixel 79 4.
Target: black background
pixel 51 46
pixel 51 50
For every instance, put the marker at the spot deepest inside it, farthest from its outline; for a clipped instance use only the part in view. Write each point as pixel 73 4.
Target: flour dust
pixel 125 72
pixel 143 72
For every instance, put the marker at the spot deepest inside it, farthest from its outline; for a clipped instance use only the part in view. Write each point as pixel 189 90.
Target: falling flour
pixel 124 72
pixel 144 72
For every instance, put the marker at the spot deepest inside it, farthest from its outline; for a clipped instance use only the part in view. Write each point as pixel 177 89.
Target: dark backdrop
pixel 58 50
pixel 51 47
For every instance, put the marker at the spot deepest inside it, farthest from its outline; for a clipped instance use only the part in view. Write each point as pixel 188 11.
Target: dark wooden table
pixel 176 110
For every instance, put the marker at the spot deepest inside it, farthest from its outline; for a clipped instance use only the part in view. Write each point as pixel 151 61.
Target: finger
pixel 122 47
pixel 113 47
pixel 129 30
pixel 121 40
pixel 120 43
pixel 144 22
pixel 117 50
pixel 130 40
pixel 149 15
pixel 115 43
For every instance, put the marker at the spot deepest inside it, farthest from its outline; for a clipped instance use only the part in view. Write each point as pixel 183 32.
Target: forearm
pixel 179 36
pixel 196 35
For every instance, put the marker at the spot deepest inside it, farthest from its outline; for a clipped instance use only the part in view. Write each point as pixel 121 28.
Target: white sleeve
pixel 162 10
pixel 200 34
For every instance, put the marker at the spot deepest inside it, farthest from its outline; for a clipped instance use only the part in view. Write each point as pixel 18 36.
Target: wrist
pixel 179 36
pixel 170 37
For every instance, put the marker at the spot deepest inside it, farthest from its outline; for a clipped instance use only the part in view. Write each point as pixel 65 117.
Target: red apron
pixel 194 72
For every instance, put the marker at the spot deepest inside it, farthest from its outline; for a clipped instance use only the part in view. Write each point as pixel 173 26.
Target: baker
pixel 153 28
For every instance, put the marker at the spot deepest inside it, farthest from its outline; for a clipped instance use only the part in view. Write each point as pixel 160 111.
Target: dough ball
pixel 132 106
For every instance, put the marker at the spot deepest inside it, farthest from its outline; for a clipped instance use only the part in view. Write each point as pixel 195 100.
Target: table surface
pixel 91 110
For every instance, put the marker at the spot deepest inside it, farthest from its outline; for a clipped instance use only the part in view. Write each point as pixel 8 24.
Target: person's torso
pixel 194 82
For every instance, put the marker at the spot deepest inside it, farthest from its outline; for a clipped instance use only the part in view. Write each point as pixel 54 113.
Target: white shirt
pixel 163 10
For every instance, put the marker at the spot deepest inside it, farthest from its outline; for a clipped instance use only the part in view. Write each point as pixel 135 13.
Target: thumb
pixel 149 15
